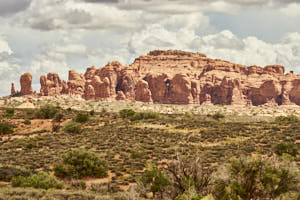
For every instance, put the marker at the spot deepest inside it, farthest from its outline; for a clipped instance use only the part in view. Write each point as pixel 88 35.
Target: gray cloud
pixel 10 7
pixel 74 14
pixel 185 6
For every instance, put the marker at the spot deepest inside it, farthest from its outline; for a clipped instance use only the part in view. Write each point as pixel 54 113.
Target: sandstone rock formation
pixel 142 92
pixel 52 85
pixel 177 77
pixel 12 90
pixel 25 82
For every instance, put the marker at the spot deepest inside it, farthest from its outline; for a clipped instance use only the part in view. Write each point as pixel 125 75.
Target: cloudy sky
pixel 41 36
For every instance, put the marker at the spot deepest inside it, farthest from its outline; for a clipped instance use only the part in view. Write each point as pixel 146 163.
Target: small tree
pixel 256 178
pixel 156 180
pixel 46 112
pixel 80 163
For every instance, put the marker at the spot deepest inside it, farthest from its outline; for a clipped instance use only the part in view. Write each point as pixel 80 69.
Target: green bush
pixel 46 112
pixel 40 180
pixel 72 127
pixel 80 163
pixel 8 172
pixel 10 112
pixel 156 180
pixel 126 113
pixel 256 178
pixel 288 148
pixel 287 119
pixel 144 115
pixel 81 118
pixel 27 122
pixel 5 128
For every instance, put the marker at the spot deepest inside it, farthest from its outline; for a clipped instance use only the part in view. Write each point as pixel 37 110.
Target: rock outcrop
pixel 177 77
pixel 12 90
pixel 25 82
pixel 52 85
pixel 142 92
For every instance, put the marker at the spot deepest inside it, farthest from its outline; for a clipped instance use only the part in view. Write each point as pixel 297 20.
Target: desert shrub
pixel 217 116
pixel 27 122
pixel 58 117
pixel 126 113
pixel 188 177
pixel 46 112
pixel 144 115
pixel 256 178
pixel 72 127
pixel 40 180
pixel 9 112
pixel 5 128
pixel 31 144
pixel 81 118
pixel 8 172
pixel 287 119
pixel 154 179
pixel 78 185
pixel 92 112
pixel 286 148
pixel 80 163
pixel 189 195
pixel 136 154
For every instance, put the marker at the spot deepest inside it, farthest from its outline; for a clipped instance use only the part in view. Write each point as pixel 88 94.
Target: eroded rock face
pixel 89 92
pixel 177 77
pixel 76 83
pixel 52 85
pixel 25 82
pixel 180 90
pixel 142 92
pixel 158 85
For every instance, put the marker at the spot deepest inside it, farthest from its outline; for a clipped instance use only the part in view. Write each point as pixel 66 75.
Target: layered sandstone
pixel 177 77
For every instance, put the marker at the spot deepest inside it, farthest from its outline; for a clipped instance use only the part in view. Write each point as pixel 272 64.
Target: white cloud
pixel 9 67
pixel 54 58
pixel 71 14
pixel 4 47
pixel 71 49
pixel 223 45
pixel 292 10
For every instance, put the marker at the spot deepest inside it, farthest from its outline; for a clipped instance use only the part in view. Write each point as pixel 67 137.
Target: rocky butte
pixel 176 77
